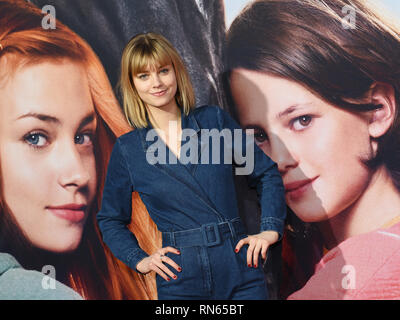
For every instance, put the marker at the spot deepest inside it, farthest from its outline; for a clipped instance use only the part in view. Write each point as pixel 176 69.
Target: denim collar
pixel 187 122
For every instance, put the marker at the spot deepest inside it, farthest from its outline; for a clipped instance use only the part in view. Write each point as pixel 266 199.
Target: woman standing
pixel 193 204
pixel 322 93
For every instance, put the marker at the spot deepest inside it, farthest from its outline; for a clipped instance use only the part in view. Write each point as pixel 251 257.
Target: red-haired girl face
pixel 47 123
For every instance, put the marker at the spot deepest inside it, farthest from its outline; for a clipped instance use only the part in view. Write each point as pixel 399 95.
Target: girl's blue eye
pixel 36 140
pixel 165 70
pixel 142 76
pixel 83 138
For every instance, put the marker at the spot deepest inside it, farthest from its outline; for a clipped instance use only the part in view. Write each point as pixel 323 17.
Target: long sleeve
pixel 116 208
pixel 264 176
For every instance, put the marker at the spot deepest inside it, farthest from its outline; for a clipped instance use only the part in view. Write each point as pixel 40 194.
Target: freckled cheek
pixel 174 89
pixel 142 88
pixel 26 180
pixel 172 82
pixel 142 92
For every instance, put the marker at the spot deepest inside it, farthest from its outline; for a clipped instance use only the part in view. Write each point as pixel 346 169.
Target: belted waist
pixel 210 234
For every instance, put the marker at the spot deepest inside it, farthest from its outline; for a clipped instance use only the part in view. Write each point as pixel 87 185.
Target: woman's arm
pixel 116 210
pixel 115 215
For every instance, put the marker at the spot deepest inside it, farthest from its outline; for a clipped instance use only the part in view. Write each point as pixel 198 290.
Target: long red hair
pixel 92 270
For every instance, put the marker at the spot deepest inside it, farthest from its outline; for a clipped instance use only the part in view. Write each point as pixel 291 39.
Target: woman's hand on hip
pixel 157 263
pixel 258 243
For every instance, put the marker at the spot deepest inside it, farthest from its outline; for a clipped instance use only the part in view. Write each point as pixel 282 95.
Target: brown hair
pixel 142 50
pixel 305 41
pixel 310 42
pixel 91 270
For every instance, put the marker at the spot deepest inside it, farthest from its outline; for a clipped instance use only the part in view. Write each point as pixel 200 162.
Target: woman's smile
pixel 72 212
pixel 296 189
pixel 159 93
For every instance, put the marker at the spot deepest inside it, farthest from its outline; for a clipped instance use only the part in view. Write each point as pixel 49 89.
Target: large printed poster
pixel 317 81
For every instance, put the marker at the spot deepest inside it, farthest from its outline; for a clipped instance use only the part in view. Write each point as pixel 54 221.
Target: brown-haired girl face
pixel 48 171
pixel 318 147
pixel 322 99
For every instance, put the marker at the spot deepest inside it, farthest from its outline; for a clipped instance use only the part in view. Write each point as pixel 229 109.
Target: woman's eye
pixel 36 140
pixel 164 70
pixel 85 138
pixel 260 136
pixel 143 76
pixel 301 122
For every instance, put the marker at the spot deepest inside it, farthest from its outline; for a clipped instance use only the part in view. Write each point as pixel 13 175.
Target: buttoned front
pixel 182 196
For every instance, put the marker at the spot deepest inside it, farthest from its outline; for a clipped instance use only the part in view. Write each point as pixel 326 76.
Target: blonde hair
pixel 140 52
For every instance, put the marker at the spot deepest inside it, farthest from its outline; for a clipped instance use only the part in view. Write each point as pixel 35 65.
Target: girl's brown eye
pixel 302 122
pixel 305 120
pixel 260 136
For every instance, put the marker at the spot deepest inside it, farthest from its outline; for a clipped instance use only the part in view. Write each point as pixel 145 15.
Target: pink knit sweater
pixel 362 267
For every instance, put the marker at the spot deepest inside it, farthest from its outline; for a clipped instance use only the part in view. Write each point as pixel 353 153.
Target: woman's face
pixel 157 85
pixel 47 122
pixel 318 147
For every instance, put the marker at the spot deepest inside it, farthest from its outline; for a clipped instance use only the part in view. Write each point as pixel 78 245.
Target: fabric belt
pixel 211 234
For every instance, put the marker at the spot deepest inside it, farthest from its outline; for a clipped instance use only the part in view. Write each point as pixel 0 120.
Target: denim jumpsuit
pixel 194 205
